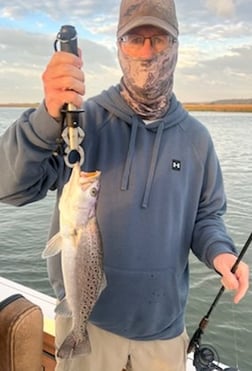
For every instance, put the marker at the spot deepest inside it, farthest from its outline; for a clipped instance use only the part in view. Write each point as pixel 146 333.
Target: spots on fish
pixel 82 259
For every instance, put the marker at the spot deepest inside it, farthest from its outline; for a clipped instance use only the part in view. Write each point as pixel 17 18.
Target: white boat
pixel 47 305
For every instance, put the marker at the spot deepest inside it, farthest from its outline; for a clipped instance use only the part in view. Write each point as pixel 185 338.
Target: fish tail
pixel 71 348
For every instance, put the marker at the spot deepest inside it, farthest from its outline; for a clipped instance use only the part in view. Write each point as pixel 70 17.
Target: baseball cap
pixel 159 13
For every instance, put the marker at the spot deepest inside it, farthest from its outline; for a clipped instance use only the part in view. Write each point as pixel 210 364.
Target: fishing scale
pixel 206 357
pixel 72 134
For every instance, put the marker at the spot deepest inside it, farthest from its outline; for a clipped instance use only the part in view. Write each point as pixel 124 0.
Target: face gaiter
pixel 147 84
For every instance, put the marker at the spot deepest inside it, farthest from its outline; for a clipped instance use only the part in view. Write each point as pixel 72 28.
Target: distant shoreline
pixel 19 105
pixel 215 106
pixel 218 107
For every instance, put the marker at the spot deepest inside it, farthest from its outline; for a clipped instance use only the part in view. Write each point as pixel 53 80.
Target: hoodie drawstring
pixel 130 155
pixel 112 101
pixel 153 165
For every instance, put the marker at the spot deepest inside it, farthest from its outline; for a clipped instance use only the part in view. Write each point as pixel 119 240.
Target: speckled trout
pixel 79 242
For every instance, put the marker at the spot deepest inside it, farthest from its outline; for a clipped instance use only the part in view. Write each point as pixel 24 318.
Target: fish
pixel 80 244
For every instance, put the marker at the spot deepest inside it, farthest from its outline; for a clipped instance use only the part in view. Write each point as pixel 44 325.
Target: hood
pixel 112 101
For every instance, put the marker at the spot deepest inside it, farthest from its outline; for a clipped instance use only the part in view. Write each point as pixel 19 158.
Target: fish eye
pixel 93 192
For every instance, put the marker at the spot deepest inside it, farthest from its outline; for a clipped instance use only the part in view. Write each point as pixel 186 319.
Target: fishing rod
pixel 205 356
pixel 73 135
pixel 204 322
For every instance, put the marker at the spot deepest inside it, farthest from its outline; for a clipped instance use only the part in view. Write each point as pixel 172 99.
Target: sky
pixel 215 47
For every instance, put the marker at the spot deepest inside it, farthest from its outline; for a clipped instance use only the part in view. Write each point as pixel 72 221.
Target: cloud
pixel 55 9
pixel 213 78
pixel 24 57
pixel 87 14
pixel 224 8
pixel 214 50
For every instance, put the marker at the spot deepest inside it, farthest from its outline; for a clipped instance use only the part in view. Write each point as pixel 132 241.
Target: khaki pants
pixel 111 352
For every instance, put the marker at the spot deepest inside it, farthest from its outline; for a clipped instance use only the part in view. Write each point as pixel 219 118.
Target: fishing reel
pixel 72 135
pixel 206 358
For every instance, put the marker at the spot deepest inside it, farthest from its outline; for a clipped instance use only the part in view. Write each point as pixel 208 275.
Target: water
pixel 24 230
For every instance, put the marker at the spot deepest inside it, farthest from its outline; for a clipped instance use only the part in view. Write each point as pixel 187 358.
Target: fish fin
pixel 71 348
pixel 53 246
pixel 103 283
pixel 63 309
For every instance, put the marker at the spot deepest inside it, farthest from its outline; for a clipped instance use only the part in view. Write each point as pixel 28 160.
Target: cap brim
pixel 147 20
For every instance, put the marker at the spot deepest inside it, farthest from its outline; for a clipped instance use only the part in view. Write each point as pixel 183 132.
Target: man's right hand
pixel 64 82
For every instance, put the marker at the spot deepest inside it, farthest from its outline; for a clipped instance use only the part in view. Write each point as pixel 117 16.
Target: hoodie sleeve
pixel 210 237
pixel 28 167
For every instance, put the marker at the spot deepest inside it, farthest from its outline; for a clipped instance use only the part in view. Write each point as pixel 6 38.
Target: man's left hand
pixel 238 281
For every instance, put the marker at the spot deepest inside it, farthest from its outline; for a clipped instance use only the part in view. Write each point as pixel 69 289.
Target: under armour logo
pixel 176 165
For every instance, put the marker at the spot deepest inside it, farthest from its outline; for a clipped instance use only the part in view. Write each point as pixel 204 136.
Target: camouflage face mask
pixel 147 84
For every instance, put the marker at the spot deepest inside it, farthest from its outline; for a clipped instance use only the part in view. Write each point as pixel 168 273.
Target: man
pixel 161 193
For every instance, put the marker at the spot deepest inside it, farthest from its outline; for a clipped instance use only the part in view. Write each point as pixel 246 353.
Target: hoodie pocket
pixel 142 305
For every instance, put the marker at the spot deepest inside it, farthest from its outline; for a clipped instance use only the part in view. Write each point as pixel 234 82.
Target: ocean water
pixel 23 234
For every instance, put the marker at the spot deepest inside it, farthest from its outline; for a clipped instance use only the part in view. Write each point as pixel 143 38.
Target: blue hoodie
pixel 161 196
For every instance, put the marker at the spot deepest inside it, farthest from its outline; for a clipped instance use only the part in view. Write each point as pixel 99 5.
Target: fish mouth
pixel 87 179
pixel 91 175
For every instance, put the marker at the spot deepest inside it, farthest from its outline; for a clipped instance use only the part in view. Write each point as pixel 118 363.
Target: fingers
pixel 64 57
pixel 238 281
pixel 229 282
pixel 64 82
pixel 242 276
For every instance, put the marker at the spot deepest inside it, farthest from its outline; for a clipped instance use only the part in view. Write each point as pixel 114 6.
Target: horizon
pixel 220 102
